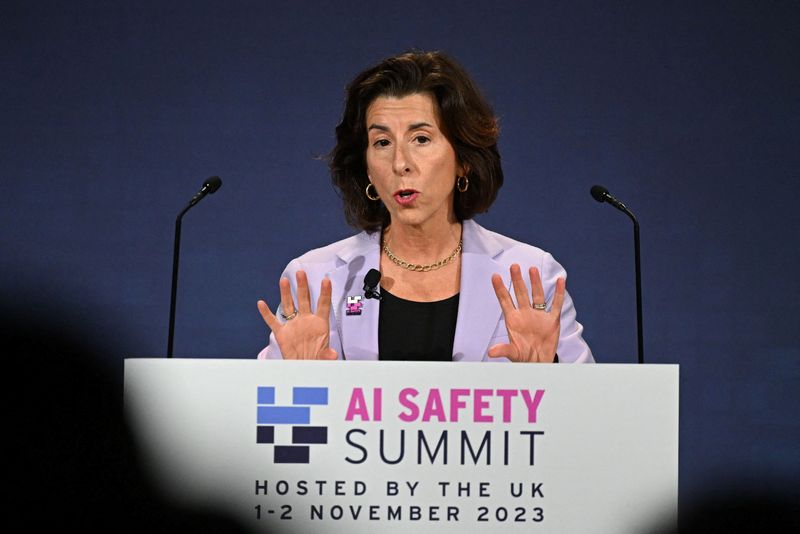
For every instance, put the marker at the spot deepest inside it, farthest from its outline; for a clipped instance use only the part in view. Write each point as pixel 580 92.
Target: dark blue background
pixel 114 113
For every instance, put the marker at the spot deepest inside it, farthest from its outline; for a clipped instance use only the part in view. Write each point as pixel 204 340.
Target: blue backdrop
pixel 114 113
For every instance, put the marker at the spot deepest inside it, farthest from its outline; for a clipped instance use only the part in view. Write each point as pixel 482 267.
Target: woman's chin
pixel 409 217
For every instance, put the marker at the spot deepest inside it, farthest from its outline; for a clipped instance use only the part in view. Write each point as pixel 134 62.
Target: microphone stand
pixel 638 259
pixel 637 252
pixel 176 252
pixel 209 186
pixel 601 194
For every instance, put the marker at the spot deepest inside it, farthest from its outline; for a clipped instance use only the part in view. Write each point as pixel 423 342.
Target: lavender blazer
pixel 480 320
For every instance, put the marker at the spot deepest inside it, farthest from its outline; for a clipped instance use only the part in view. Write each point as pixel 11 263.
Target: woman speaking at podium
pixel 415 159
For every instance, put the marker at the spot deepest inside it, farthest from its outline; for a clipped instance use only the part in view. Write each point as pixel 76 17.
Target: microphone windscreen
pixel 372 278
pixel 212 184
pixel 599 193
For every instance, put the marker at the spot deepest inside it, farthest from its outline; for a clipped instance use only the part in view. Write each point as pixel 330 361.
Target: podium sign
pixel 314 446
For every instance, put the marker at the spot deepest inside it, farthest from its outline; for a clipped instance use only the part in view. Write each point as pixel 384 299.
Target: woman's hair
pixel 465 117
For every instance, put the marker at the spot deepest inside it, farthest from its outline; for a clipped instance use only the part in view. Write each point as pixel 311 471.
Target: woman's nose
pixel 402 161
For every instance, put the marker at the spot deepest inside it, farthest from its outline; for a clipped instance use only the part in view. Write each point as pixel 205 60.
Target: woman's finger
pixel 506 304
pixel 328 354
pixel 501 350
pixel 520 290
pixel 287 302
pixel 324 303
pixel 268 316
pixel 303 295
pixel 558 299
pixel 537 291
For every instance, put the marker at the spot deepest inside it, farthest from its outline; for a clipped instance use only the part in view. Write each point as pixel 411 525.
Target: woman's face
pixel 410 161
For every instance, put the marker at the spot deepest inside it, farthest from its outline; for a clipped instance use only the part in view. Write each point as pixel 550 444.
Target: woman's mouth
pixel 405 197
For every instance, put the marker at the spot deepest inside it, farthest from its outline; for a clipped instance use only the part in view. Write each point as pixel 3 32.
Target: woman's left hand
pixel 532 333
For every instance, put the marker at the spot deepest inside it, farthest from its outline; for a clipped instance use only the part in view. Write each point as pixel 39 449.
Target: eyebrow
pixel 414 126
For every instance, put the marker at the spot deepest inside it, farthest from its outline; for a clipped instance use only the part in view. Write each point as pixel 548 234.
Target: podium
pixel 319 446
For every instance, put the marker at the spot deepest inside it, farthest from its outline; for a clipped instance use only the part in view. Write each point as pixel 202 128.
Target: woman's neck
pixel 422 245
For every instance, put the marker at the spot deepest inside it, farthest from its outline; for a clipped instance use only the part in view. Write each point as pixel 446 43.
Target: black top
pixel 419 331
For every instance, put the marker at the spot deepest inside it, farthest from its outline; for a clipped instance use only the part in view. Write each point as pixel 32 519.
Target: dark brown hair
pixel 466 118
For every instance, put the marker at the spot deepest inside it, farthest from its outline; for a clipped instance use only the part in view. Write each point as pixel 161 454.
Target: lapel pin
pixel 354 305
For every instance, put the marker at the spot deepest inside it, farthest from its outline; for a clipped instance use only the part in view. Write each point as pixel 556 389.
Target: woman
pixel 416 157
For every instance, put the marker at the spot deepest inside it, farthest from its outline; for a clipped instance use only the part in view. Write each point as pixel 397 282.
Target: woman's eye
pixel 381 143
pixel 423 139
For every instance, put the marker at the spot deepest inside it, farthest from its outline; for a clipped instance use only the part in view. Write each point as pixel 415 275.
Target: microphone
pixel 371 281
pixel 210 186
pixel 601 194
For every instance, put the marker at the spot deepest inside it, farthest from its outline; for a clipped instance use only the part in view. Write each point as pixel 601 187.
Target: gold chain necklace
pixel 419 267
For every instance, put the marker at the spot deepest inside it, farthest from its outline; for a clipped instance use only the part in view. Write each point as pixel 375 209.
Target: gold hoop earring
pixel 376 197
pixel 462 186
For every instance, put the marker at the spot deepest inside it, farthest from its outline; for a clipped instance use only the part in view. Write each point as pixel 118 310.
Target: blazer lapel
pixel 478 309
pixel 358 332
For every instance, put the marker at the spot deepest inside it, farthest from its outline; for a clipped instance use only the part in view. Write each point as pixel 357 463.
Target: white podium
pixel 436 447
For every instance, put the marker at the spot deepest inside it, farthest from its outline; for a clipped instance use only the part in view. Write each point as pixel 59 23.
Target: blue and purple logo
pixel 297 416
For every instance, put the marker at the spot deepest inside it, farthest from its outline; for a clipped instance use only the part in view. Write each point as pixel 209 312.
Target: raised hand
pixel 305 334
pixel 532 331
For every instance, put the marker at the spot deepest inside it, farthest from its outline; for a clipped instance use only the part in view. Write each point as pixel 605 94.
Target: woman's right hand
pixel 305 336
